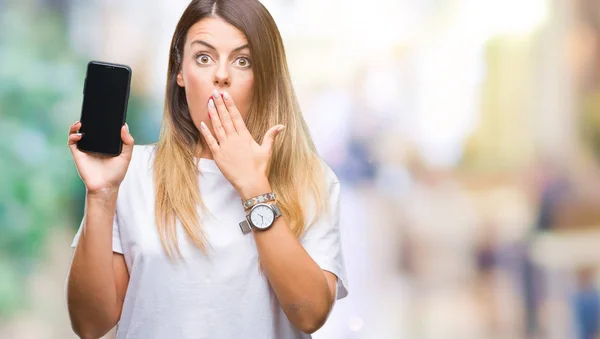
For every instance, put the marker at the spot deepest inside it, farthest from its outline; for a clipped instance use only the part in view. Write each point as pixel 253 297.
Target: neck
pixel 206 153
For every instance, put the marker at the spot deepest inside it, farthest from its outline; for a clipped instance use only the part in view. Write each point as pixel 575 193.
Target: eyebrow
pixel 202 42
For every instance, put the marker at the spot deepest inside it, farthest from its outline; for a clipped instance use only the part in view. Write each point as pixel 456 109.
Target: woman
pixel 166 248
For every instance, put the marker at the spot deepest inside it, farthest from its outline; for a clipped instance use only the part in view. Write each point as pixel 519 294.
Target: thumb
pixel 127 140
pixel 269 138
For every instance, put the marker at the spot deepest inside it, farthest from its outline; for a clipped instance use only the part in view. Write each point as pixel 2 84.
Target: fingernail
pixel 280 128
pixel 126 127
pixel 226 96
pixel 79 134
pixel 203 125
pixel 216 94
pixel 211 103
pixel 75 123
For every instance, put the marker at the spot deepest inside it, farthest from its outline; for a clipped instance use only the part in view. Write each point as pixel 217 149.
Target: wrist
pixel 103 193
pixel 254 188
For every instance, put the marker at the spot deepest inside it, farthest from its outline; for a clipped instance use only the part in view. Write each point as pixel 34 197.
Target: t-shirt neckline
pixel 208 165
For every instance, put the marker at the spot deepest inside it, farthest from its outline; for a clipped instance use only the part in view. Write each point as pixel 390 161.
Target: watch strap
pixel 276 210
pixel 245 226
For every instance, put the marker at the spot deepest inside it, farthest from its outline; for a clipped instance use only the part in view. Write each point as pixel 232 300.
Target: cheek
pixel 242 93
pixel 198 89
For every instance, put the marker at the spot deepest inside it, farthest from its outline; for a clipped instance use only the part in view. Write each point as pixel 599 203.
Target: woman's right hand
pixel 101 173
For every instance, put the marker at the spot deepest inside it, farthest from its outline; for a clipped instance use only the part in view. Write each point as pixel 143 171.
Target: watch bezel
pixel 249 218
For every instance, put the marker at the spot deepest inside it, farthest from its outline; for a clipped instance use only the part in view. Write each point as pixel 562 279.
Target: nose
pixel 222 77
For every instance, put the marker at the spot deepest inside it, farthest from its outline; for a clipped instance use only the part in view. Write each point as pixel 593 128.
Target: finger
pixel 128 140
pixel 269 138
pixel 216 121
pixel 74 136
pixel 223 113
pixel 236 117
pixel 74 127
pixel 212 143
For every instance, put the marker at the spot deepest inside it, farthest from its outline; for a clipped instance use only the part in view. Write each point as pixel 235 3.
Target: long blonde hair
pixel 296 172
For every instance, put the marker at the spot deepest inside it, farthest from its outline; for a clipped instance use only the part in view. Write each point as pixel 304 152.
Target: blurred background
pixel 466 134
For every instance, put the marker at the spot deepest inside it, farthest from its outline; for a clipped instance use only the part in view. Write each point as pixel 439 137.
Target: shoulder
pixel 143 152
pixel 331 179
pixel 322 211
pixel 142 156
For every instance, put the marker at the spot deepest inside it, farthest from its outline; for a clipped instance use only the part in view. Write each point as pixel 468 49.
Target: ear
pixel 180 81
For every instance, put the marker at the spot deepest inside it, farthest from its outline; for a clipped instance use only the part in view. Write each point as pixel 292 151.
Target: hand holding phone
pixel 101 173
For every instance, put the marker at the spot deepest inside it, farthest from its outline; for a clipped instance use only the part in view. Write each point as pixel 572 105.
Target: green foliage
pixel 41 81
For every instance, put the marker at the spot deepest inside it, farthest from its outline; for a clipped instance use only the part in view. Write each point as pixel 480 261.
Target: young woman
pixel 228 227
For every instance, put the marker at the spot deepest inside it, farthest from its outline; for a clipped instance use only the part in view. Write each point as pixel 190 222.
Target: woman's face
pixel 215 56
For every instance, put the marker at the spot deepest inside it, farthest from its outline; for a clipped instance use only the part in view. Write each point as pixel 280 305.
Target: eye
pixel 203 59
pixel 242 62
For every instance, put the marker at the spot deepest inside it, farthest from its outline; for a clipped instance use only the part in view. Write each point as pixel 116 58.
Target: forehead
pixel 217 32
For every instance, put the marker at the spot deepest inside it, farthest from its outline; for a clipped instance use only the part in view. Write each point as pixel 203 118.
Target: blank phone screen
pixel 104 106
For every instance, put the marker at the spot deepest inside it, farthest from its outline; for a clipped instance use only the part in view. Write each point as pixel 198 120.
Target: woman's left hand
pixel 241 159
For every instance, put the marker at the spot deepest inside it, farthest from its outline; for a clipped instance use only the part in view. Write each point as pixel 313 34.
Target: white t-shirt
pixel 222 295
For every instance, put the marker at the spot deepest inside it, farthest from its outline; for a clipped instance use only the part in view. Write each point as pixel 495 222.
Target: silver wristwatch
pixel 261 217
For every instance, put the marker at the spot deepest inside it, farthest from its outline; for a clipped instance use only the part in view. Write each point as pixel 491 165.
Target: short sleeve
pixel 322 241
pixel 116 238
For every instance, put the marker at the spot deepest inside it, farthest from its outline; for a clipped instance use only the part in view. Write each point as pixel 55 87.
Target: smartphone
pixel 104 108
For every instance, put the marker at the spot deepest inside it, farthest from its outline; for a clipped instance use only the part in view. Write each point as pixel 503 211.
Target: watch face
pixel 262 216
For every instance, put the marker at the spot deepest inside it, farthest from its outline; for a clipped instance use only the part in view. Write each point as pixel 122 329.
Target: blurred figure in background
pixel 586 304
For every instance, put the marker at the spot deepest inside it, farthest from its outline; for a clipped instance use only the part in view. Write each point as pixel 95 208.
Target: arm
pixel 97 278
pixel 305 291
